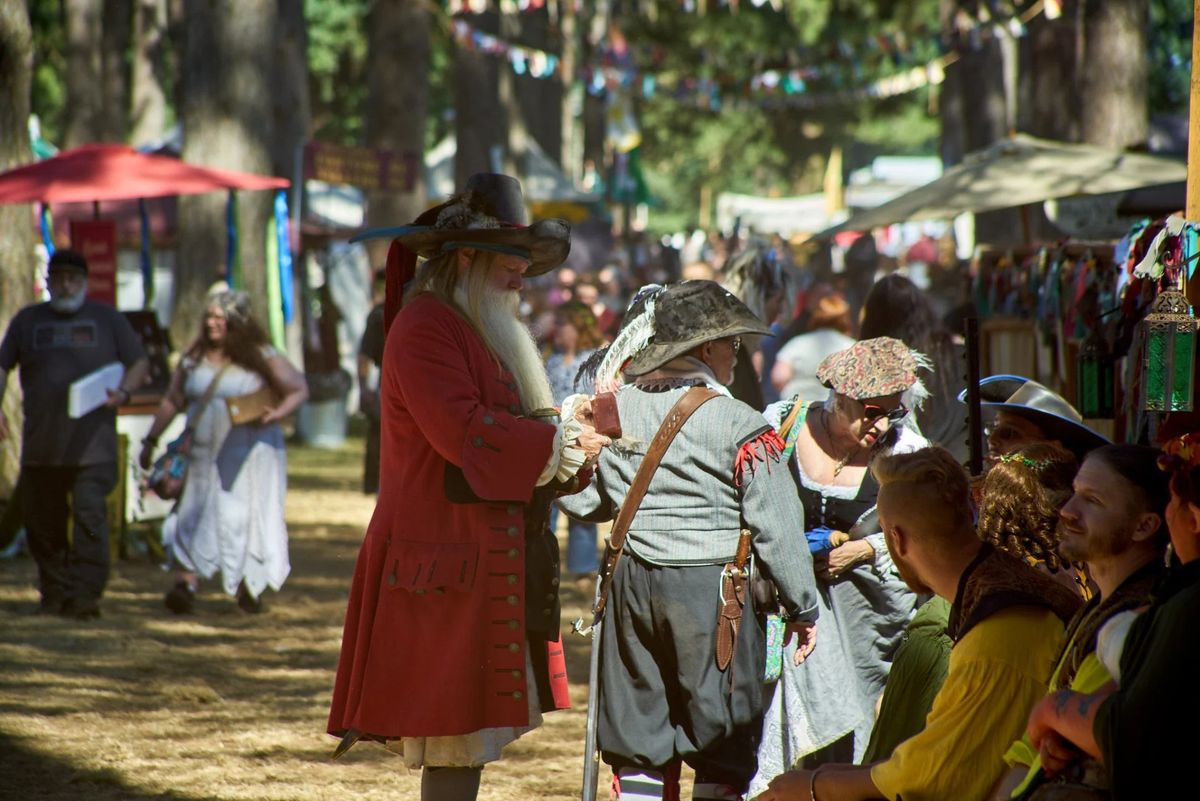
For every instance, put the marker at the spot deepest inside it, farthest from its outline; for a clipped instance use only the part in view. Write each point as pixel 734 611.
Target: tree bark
pixel 85 68
pixel 227 123
pixel 540 100
pixel 571 107
pixel 1113 73
pixel 1054 47
pixel 148 90
pixel 479 126
pixel 398 61
pixel 17 256
pixel 291 105
pixel 950 99
pixel 115 39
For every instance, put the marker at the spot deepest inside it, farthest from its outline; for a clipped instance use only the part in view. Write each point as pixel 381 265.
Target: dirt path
pixel 220 705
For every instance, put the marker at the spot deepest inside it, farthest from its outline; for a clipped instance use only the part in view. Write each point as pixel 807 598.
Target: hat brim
pixel 548 242
pixel 1075 437
pixel 656 355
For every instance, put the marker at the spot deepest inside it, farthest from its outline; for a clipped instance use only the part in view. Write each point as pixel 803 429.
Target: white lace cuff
pixel 565 460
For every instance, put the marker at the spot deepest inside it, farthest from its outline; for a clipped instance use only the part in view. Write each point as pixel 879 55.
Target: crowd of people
pixel 804 595
pixel 933 635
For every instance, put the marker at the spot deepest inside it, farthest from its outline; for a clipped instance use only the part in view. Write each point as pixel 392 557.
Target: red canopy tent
pixel 113 172
pixel 118 172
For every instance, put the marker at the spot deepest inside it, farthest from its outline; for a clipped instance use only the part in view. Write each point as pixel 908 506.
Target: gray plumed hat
pixel 688 314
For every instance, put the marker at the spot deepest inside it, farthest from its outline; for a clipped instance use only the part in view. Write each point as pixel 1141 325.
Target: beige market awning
pixel 1016 171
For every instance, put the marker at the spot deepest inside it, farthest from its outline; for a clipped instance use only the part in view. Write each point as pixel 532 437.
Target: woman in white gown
pixel 229 519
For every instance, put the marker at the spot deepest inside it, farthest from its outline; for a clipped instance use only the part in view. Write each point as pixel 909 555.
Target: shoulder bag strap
pixel 207 397
pixel 691 400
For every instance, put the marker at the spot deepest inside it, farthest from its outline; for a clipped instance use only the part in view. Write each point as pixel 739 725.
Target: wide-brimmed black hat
pixel 489 214
pixel 1042 406
pixel 689 314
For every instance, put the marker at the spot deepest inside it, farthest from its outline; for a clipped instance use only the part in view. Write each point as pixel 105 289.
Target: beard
pixel 68 304
pixel 496 313
pixel 909 576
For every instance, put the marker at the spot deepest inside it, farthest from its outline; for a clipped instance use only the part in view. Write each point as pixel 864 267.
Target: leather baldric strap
pixel 691 400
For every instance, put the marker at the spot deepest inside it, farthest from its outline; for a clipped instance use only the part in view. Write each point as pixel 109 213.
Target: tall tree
pixel 149 91
pixel 16 230
pixel 540 100
pixel 478 114
pixel 84 27
pixel 398 100
pixel 115 40
pixel 97 76
pixel 227 122
pixel 1053 69
pixel 1113 72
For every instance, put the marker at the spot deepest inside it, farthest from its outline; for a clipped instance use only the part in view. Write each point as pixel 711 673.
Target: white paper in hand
pixel 91 391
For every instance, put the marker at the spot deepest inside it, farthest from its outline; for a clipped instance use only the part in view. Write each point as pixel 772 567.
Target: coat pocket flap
pixel 421 566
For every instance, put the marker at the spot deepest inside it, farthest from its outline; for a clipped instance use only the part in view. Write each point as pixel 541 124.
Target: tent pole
pixel 1192 212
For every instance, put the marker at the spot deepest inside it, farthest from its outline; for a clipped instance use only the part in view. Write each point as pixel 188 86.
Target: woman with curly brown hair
pixel 1021 497
pixel 229 519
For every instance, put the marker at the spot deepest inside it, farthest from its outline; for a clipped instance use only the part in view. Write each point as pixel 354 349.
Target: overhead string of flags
pixel 774 88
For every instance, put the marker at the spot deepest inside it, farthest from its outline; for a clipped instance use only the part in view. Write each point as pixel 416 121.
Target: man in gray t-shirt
pixel 68 465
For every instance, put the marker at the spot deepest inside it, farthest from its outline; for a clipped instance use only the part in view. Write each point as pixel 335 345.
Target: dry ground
pixel 144 705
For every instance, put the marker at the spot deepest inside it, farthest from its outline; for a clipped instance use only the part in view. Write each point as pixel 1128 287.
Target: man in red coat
pixel 451 645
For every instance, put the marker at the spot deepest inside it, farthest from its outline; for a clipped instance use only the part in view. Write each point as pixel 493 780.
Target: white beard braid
pixel 498 320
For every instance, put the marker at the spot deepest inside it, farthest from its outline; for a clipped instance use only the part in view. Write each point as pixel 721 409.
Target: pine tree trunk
pixel 571 109
pixel 950 100
pixel 478 116
pixel 398 102
pixel 1053 71
pixel 148 91
pixel 1113 73
pixel 84 31
pixel 17 259
pixel 540 99
pixel 115 40
pixel 227 123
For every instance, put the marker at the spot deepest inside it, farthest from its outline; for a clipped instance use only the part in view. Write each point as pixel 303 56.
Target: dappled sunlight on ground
pixel 144 705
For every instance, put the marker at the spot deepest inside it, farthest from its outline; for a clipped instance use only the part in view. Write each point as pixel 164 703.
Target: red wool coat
pixel 434 640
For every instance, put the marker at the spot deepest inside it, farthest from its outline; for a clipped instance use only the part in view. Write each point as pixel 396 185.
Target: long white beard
pixel 510 340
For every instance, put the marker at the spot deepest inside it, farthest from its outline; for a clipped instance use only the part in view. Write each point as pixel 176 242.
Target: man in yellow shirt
pixel 1114 524
pixel 1007 626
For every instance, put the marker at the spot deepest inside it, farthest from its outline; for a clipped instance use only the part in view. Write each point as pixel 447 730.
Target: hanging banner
pixel 363 167
pixel 97 241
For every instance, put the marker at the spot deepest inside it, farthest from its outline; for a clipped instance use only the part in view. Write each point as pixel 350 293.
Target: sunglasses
pixel 736 344
pixel 872 413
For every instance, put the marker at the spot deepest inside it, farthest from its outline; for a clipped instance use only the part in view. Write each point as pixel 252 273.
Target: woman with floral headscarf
pixel 229 519
pixel 824 710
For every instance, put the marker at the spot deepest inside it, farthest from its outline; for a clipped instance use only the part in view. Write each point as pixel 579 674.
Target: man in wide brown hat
pixel 451 644
pixel 681 647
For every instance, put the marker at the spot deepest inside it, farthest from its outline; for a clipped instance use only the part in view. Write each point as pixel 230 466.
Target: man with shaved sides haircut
pixel 1006 622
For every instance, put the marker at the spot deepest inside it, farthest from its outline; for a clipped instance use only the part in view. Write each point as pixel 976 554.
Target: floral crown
pixel 1181 453
pixel 1032 464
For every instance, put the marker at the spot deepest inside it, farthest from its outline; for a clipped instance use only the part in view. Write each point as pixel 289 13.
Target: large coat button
pixel 488 419
pixel 477 442
pixel 512 646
